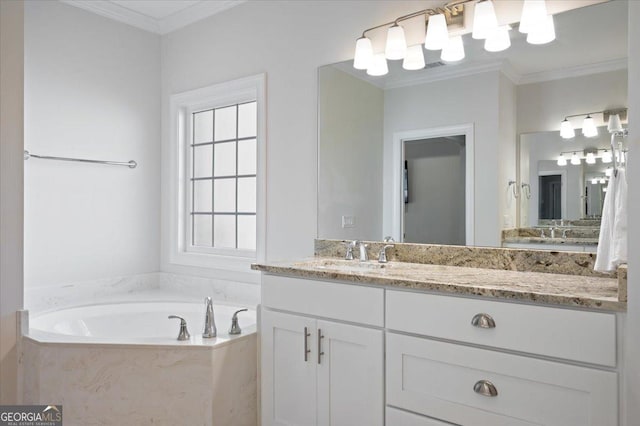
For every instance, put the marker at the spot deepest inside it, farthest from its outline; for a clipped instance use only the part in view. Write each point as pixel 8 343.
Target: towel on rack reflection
pixel 612 244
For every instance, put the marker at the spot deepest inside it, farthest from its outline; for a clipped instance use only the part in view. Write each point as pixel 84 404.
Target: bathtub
pixel 121 364
pixel 137 323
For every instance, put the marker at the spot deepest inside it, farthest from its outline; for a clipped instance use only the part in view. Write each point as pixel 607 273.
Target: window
pixel 216 184
pixel 223 174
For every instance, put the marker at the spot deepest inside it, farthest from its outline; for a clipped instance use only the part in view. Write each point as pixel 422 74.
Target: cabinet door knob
pixel 306 344
pixel 485 388
pixel 483 321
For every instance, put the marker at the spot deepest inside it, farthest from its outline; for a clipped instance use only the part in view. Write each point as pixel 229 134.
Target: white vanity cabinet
pixel 317 371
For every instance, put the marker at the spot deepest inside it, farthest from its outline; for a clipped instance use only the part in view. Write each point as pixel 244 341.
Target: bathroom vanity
pixel 417 344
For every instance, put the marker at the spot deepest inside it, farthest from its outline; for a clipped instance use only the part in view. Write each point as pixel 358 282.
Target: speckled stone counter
pixel 533 287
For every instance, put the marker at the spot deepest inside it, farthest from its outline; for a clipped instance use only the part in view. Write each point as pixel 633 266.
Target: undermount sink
pixel 345 265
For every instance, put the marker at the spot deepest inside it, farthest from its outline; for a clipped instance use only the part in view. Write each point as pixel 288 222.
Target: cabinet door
pixel 288 372
pixel 350 375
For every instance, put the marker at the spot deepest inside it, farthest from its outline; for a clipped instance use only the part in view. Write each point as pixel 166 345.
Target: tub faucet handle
pixel 210 329
pixel 235 327
pixel 184 333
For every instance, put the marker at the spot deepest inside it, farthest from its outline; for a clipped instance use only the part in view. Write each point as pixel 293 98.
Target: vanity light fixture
pixel 542 33
pixel 603 180
pixel 594 181
pixel 562 160
pixel 614 125
pixel 414 60
pixel 608 172
pixel 484 20
pixel 590 159
pixel 566 129
pixel 606 156
pixel 437 32
pixel 575 160
pixel 534 13
pixel 589 128
pixel 454 50
pixel 378 65
pixel 396 46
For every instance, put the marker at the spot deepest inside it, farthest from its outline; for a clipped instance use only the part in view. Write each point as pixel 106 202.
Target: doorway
pixel 434 190
pixel 550 205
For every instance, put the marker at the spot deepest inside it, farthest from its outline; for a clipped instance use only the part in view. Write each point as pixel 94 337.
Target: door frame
pixel 563 191
pixel 399 138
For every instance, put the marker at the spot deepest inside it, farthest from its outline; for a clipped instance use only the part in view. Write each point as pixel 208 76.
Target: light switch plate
pixel 348 221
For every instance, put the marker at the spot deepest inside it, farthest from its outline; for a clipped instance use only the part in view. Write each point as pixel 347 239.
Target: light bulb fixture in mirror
pixel 608 172
pixel 364 54
pixel 454 50
pixel 378 66
pixel 498 40
pixel 437 32
pixel 614 125
pixel 575 160
pixel 396 46
pixel 589 128
pixel 590 159
pixel 414 59
pixel 562 160
pixel 607 157
pixel 566 130
pixel 603 181
pixel 594 181
pixel 484 20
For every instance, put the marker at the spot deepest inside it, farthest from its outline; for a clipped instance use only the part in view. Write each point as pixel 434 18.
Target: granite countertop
pixel 558 241
pixel 534 287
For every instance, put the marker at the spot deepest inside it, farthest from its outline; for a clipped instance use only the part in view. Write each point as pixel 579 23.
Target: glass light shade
pixel 606 157
pixel 604 189
pixel 543 33
pixel 437 33
pixel 498 40
pixel 484 20
pixel 575 160
pixel 594 181
pixel 566 129
pixel 364 54
pixel 414 59
pixel 614 125
pixel 454 50
pixel 378 65
pixel 589 128
pixel 608 172
pixel 396 46
pixel 562 161
pixel 533 13
pixel 603 181
pixel 591 159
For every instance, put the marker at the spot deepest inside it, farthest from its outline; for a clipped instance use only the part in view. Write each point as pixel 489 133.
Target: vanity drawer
pixel 353 303
pixel 562 333
pixel 438 379
pixel 395 417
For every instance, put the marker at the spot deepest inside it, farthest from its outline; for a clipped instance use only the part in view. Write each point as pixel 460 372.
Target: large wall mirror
pixel 466 152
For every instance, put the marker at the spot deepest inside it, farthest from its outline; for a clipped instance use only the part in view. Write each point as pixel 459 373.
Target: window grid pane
pixel 228 227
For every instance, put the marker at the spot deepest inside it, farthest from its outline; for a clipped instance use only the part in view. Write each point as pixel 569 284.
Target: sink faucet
pixel 552 232
pixel 382 257
pixel 209 320
pixel 542 234
pixel 350 246
pixel 364 256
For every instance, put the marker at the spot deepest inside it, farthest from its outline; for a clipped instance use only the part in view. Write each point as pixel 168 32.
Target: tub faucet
pixel 209 320
pixel 184 333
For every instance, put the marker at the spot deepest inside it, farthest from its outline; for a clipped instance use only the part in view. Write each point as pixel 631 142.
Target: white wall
pixel 632 337
pixel 91 91
pixel 506 152
pixel 473 99
pixel 350 121
pixel 288 41
pixel 435 213
pixel 11 194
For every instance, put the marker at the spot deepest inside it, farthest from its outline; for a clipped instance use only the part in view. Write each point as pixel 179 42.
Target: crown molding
pixel 577 71
pixel 165 25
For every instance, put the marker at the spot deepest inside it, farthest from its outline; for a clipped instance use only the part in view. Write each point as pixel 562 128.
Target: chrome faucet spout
pixel 364 256
pixel 209 320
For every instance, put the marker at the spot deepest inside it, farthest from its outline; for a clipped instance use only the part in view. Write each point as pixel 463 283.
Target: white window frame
pixel 182 105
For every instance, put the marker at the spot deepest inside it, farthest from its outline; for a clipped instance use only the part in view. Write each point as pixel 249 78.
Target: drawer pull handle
pixel 320 351
pixel 483 321
pixel 485 388
pixel 306 344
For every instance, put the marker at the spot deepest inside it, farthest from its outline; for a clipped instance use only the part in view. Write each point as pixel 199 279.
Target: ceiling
pixel 588 40
pixel 157 16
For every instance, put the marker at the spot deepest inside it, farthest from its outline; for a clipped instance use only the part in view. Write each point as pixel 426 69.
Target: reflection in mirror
pixel 366 124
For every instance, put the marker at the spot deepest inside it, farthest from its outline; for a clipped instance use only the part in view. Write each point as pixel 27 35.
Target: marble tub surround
pixel 129 385
pixel 151 287
pixel 557 289
pixel 566 263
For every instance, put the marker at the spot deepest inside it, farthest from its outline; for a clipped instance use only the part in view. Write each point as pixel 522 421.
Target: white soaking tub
pixel 121 364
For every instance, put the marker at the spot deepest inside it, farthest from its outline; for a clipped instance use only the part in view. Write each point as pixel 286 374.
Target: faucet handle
pixel 350 246
pixel 235 327
pixel 389 239
pixel 184 333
